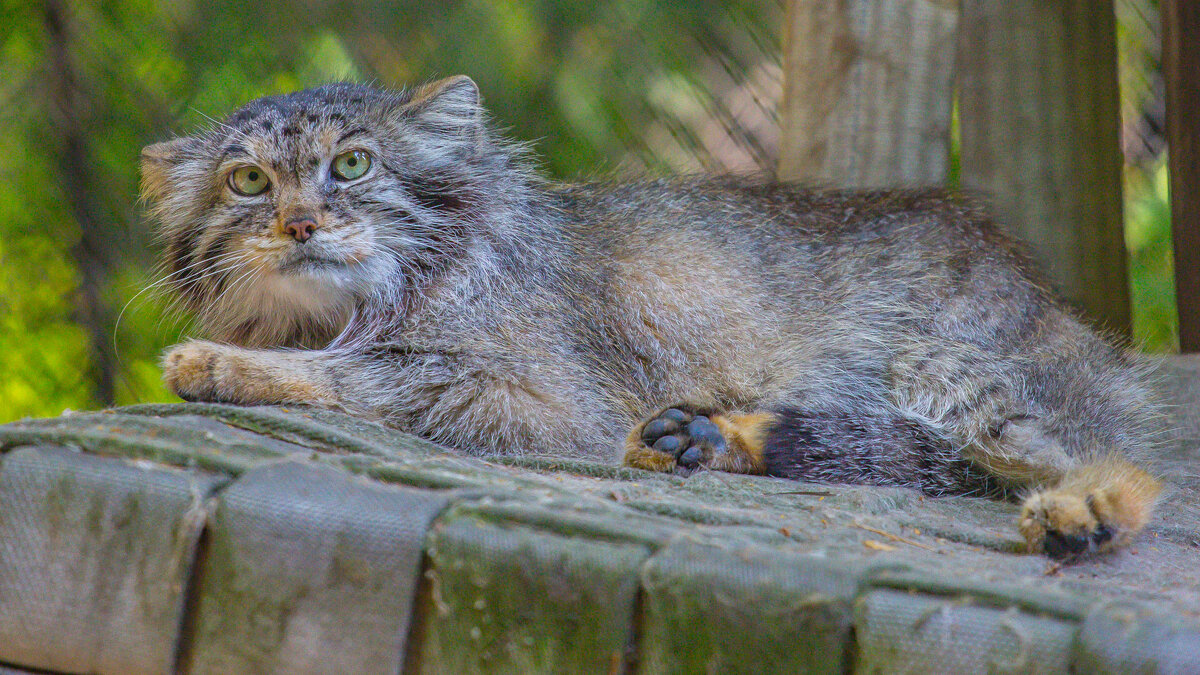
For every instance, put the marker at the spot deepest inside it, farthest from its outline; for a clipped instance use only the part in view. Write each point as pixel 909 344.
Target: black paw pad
pixel 690 458
pixel 658 428
pixel 690 438
pixel 668 444
pixel 1060 546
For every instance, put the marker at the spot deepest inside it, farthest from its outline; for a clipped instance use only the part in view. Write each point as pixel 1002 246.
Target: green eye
pixel 351 165
pixel 249 181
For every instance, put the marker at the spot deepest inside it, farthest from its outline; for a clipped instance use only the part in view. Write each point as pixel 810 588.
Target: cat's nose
pixel 300 228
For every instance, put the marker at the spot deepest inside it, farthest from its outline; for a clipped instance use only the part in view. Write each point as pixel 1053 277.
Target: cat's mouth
pixel 310 260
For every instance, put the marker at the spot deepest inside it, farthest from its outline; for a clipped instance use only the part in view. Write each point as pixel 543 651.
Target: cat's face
pixel 278 221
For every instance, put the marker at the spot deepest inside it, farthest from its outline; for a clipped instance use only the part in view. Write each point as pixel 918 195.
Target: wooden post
pixel 1039 118
pixel 1181 69
pixel 867 92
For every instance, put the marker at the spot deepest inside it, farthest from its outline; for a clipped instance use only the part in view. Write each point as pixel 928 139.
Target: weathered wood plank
pixel 1039 120
pixel 867 92
pixel 1181 69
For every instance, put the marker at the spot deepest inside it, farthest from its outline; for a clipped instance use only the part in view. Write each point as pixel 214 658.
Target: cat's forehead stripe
pixel 327 102
pixel 235 149
pixel 351 134
pixel 293 129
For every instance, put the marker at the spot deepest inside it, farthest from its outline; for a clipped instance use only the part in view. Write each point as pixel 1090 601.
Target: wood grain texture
pixel 867 92
pixel 1039 120
pixel 1181 70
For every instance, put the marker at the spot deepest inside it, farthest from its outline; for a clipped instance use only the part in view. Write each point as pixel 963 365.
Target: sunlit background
pixel 598 87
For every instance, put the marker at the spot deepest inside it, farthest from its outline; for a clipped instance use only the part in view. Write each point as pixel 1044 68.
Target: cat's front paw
pixel 683 439
pixel 197 371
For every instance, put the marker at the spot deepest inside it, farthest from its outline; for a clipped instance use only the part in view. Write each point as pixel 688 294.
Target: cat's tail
pixel 875 448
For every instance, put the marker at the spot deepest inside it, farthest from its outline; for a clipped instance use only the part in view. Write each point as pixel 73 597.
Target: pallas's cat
pixel 386 253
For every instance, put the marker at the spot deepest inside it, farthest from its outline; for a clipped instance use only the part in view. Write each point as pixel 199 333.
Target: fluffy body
pixel 891 337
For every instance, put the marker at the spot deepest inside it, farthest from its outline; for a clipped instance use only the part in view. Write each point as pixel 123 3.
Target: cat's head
pixel 278 222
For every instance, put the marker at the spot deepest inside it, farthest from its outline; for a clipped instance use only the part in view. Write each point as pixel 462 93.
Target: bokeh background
pixel 598 87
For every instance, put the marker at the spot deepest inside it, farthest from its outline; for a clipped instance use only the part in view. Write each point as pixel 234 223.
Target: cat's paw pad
pixel 1063 524
pixel 193 370
pixel 691 439
pixel 1096 507
pixel 683 439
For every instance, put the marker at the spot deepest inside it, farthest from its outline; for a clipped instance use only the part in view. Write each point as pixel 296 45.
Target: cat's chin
pixel 293 309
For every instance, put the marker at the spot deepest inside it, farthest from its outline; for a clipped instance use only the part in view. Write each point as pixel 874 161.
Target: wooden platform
pixel 218 539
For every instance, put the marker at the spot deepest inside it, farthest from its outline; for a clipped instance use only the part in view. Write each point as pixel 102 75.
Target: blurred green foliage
pixel 596 86
pixel 574 77
pixel 1151 261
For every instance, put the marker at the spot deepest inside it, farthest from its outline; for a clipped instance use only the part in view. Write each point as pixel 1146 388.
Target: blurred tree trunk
pixel 1040 122
pixel 1181 68
pixel 68 114
pixel 867 92
pixel 868 87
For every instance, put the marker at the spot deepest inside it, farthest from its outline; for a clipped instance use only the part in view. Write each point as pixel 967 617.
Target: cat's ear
pixel 158 161
pixel 450 105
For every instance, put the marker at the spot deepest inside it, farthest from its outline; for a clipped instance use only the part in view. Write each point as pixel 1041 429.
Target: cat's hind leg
pixel 1059 429
pixel 1096 506
pixel 1075 504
